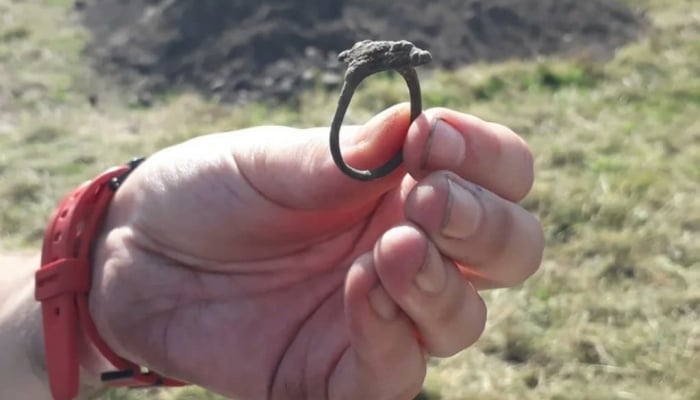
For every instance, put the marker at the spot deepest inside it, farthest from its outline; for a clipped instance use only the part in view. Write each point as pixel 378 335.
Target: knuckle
pixel 520 274
pixel 460 322
pixel 527 171
pixel 520 246
pixel 502 130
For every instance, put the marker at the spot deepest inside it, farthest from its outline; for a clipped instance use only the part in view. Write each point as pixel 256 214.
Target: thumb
pixel 311 178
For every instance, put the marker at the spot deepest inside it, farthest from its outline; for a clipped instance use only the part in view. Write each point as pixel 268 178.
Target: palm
pixel 283 275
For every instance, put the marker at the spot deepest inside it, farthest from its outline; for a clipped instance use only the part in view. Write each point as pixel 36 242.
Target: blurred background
pixel 606 92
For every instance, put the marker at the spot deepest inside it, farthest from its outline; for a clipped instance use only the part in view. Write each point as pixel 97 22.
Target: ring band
pixel 353 77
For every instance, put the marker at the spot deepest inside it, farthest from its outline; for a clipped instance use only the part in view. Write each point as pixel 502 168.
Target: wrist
pixel 22 370
pixel 23 373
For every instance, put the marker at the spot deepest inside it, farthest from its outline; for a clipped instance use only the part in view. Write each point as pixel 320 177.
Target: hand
pixel 247 263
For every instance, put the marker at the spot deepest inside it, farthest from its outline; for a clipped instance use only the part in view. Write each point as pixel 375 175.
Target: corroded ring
pixel 367 58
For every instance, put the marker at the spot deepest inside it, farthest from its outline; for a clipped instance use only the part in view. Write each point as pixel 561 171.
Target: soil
pixel 242 50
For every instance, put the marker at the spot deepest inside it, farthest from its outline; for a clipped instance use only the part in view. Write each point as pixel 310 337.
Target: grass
pixel 614 311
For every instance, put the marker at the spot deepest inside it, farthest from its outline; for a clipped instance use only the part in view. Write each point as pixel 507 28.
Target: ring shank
pixel 351 83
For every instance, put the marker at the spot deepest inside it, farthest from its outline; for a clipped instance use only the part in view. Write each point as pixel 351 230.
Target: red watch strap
pixel 62 285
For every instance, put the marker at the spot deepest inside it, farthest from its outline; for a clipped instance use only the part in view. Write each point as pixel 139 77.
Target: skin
pixel 248 263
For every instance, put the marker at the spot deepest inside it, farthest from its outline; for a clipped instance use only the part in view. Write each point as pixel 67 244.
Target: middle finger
pixel 496 242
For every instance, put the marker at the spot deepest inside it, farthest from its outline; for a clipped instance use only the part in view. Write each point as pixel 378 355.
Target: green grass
pixel 614 312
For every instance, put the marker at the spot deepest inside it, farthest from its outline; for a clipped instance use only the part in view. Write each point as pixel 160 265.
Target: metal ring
pixel 365 59
pixel 346 93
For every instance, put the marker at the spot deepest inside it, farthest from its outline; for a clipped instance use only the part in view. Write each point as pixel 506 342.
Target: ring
pixel 364 59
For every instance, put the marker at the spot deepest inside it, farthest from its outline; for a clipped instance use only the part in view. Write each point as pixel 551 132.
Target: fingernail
pixel 381 302
pixel 432 277
pixel 445 148
pixel 464 213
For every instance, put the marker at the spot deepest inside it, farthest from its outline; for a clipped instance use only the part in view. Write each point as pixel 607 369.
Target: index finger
pixel 485 153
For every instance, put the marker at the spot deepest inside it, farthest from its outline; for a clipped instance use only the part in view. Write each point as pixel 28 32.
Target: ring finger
pixel 444 306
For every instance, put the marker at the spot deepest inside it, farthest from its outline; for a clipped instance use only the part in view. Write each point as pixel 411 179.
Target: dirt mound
pixel 244 50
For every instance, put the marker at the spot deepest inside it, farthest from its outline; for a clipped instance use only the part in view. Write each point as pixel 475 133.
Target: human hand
pixel 247 263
